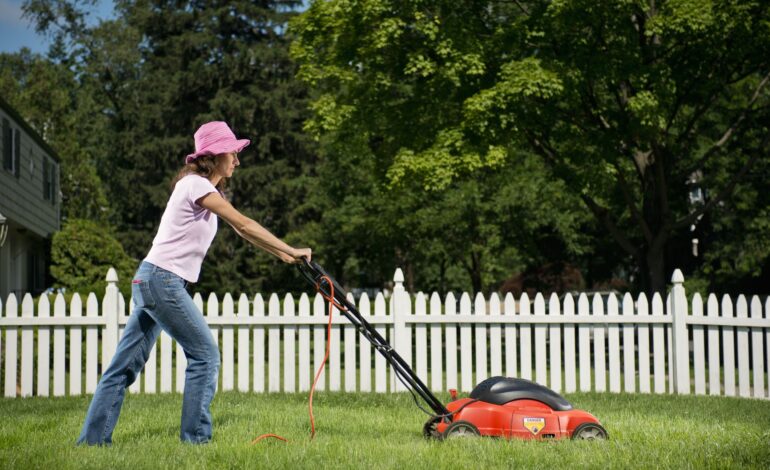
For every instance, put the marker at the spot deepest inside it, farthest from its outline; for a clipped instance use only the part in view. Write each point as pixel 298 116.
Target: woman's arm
pixel 251 230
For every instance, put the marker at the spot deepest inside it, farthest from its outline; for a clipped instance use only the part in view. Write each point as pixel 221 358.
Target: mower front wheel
pixel 460 429
pixel 590 432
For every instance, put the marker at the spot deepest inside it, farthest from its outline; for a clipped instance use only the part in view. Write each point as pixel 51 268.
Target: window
pixel 49 181
pixel 11 148
pixel 7 146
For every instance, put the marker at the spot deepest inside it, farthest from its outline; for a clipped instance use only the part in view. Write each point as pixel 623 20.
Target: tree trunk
pixel 654 270
pixel 474 271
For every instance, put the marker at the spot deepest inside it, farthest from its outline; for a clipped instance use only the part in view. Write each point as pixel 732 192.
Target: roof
pixel 28 129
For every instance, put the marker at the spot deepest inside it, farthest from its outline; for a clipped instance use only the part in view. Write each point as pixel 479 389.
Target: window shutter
pixel 17 153
pixel 7 145
pixel 54 169
pixel 46 173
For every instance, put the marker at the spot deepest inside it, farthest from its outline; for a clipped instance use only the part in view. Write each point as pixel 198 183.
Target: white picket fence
pixel 599 343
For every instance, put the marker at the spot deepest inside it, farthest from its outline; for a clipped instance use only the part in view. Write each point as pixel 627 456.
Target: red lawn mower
pixel 497 407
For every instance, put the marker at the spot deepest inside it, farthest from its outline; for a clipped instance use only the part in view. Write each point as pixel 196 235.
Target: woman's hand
pixel 297 255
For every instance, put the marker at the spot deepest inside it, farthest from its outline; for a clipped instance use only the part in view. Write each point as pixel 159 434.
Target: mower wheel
pixel 460 429
pixel 590 432
pixel 429 430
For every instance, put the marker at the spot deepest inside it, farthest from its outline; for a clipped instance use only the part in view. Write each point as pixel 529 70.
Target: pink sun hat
pixel 214 138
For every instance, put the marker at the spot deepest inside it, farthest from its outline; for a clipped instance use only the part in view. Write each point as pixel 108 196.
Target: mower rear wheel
pixel 429 428
pixel 460 429
pixel 590 432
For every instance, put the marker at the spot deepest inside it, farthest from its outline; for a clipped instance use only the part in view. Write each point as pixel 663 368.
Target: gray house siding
pixel 29 200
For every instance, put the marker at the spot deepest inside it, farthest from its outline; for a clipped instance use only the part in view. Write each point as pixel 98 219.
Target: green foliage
pixel 622 101
pixel 82 252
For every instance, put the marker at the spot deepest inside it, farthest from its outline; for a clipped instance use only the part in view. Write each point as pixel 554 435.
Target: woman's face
pixel 226 163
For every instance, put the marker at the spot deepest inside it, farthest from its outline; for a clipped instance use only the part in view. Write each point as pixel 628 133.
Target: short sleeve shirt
pixel 186 229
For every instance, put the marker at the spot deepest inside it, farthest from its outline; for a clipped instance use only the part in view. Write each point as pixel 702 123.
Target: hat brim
pixel 218 148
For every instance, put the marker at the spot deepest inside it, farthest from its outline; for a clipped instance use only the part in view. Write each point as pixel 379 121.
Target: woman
pixel 186 230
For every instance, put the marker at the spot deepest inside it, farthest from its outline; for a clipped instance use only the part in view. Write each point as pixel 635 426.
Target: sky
pixel 16 32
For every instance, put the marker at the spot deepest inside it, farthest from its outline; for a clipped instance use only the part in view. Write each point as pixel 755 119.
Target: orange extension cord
pixel 332 303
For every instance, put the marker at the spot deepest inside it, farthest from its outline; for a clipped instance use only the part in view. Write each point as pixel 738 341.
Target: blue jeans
pixel 161 302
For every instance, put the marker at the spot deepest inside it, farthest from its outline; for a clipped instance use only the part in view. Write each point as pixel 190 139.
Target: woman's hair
pixel 203 166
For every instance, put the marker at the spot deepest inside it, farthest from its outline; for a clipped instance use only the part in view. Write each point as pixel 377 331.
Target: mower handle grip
pixel 315 275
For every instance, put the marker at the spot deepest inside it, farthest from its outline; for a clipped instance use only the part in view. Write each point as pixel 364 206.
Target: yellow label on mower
pixel 535 425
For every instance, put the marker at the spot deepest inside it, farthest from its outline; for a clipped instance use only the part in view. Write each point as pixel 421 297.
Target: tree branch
pixel 727 191
pixel 601 213
pixel 735 124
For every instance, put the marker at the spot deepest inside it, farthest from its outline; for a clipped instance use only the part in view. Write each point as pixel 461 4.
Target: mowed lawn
pixel 362 431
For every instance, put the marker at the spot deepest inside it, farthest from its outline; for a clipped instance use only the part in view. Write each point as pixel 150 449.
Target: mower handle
pixel 317 277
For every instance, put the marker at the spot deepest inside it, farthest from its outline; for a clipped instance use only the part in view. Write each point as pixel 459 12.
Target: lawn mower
pixel 497 407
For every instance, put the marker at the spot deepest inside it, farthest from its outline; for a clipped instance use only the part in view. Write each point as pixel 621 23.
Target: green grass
pixel 382 431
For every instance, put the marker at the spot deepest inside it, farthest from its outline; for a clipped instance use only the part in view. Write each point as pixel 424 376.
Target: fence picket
pixel 600 363
pixel 584 343
pixel 757 347
pixel 629 346
pixel 480 343
pixel 228 346
pixel 450 310
pixel 259 345
pixel 436 354
pixel 525 337
pixel 76 347
pixel 365 348
pixel 92 345
pixel 59 347
pixel 243 344
pixel 714 365
pixel 289 341
pixel 466 346
pixel 27 345
pixel 511 346
pixel 698 353
pixel 744 387
pixel 658 347
pixel 613 339
pixel 554 334
pixel 570 382
pixel 335 363
pixel 43 348
pixel 273 346
pixel 728 347
pixel 643 311
pixel 11 343
pixel 495 338
pixel 166 367
pixel 305 376
pixel 351 364
pixel 767 342
pixel 421 340
pixel 319 341
pixel 541 368
pixel 380 372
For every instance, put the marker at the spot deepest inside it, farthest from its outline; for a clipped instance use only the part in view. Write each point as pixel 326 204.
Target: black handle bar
pixel 315 275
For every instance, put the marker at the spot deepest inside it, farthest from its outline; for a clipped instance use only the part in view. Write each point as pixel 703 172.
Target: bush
pixel 82 252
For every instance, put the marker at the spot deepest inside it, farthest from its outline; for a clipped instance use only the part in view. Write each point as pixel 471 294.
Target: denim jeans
pixel 161 302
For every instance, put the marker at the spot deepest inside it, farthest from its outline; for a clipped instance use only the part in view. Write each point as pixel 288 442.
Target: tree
pixel 159 70
pixel 623 101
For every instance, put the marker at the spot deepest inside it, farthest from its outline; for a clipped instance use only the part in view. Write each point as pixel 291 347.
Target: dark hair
pixel 203 166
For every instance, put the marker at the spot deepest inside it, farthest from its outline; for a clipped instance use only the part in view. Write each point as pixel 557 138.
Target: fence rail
pixel 582 342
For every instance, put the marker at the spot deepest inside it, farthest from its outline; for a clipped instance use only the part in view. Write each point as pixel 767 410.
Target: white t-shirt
pixel 186 229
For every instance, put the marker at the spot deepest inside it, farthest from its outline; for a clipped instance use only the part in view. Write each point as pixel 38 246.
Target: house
pixel 30 205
